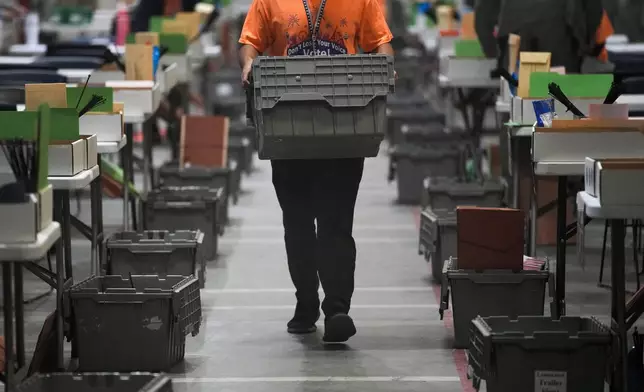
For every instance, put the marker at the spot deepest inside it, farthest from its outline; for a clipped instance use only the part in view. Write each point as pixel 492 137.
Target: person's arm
pixel 375 36
pixel 255 37
pixel 487 17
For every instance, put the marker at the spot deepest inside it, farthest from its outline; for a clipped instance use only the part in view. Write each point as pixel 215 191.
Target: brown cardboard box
pixel 138 62
pixel 54 94
pixel 204 141
pixel 490 238
pixel 530 62
pixel 467 26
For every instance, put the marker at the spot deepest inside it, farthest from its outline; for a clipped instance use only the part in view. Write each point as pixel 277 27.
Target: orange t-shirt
pixel 604 31
pixel 280 27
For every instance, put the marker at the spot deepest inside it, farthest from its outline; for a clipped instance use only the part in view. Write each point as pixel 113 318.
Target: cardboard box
pixel 139 62
pixel 574 140
pixel 108 127
pixel 147 38
pixel 53 94
pixel 514 46
pixel 67 158
pixel 24 218
pixel 91 145
pixel 615 182
pixel 531 62
pixel 490 238
pixel 204 141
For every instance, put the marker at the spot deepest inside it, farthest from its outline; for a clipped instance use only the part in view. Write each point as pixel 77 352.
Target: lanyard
pixel 314 29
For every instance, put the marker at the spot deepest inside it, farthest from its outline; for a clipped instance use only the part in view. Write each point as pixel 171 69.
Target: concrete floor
pixel 401 345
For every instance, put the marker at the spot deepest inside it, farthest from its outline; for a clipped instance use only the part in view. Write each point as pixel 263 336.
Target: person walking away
pixel 565 28
pixel 317 197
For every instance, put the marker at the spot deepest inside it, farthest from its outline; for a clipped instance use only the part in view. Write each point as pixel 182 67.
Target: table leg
pixel 60 288
pixel 514 160
pixel 147 157
pixel 95 189
pixel 618 308
pixel 125 152
pixel 66 234
pixel 560 277
pixel 7 275
pixel 20 315
pixel 534 216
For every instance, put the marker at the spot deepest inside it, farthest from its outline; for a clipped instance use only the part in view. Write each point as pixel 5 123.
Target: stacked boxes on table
pixel 490 277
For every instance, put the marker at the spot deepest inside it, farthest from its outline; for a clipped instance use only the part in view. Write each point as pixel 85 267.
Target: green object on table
pixel 44 122
pixel 74 93
pixel 18 125
pixel 130 39
pixel 573 85
pixel 176 43
pixel 468 48
pixel 156 23
pixel 64 124
pixel 116 173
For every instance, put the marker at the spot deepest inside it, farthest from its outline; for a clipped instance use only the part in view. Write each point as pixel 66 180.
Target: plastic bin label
pixel 550 381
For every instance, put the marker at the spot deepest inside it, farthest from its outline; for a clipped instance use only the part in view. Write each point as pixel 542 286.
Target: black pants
pixel 319 193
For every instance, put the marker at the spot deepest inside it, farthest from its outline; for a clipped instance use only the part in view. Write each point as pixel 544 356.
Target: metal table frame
pixel 623 314
pixel 13 258
pixel 63 186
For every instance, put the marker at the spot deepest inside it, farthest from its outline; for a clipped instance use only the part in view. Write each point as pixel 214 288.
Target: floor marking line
pixel 290 307
pixel 290 290
pixel 280 241
pixel 237 380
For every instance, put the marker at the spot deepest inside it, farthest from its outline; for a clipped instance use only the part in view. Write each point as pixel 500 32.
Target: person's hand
pixel 395 75
pixel 246 74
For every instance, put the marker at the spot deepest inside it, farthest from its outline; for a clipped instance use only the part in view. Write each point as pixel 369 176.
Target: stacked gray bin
pixel 434 135
pixel 96 382
pixel 139 323
pixel 225 94
pixel 240 149
pixel 447 193
pixel 539 353
pixel 244 130
pixel 155 252
pixel 490 293
pixel 412 164
pixel 396 118
pixel 185 208
pixel 171 175
pixel 437 238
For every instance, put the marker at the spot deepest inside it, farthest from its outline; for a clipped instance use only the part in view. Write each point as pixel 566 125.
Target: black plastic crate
pixel 170 174
pixel 410 116
pixel 137 323
pixel 410 165
pixel 240 149
pixel 156 252
pixel 185 208
pixel 96 382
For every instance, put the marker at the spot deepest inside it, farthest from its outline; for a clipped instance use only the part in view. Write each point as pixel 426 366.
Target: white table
pixel 635 102
pixel 623 316
pixel 13 258
pixel 77 182
pixel 111 147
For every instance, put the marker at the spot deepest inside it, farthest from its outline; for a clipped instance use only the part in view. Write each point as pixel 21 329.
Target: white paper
pixel 550 381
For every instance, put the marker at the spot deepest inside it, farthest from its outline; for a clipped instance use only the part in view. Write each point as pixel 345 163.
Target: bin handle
pixel 299 97
pixel 499 279
pixel 177 204
pixel 157 251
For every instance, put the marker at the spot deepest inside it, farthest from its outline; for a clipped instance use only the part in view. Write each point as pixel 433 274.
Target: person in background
pixel 565 28
pixel 317 197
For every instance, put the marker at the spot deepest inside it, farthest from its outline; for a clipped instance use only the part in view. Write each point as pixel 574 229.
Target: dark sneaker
pixel 338 328
pixel 302 324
